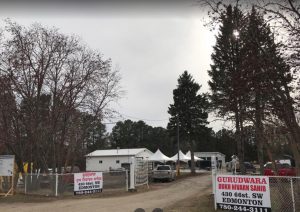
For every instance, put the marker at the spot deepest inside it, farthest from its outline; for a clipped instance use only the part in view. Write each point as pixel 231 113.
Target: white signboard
pixel 88 183
pixel 7 165
pixel 243 193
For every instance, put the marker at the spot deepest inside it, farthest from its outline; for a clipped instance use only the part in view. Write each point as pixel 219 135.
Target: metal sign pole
pixel 213 176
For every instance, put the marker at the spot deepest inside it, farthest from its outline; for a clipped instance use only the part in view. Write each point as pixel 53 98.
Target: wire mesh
pixel 63 184
pixel 285 193
pixel 141 172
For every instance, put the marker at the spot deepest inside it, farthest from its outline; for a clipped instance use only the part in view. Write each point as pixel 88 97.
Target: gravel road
pixel 160 198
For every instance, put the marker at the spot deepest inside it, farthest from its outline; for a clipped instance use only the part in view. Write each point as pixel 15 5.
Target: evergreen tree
pixel 130 134
pixel 189 112
pixel 247 82
pixel 257 38
pixel 228 81
pixel 94 133
pixel 263 66
pixel 122 135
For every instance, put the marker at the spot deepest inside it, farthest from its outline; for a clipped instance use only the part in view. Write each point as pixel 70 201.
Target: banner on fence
pixel 141 172
pixel 7 174
pixel 243 193
pixel 7 165
pixel 88 183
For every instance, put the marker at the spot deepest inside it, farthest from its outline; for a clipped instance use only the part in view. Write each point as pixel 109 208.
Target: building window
pixel 117 161
pixel 100 161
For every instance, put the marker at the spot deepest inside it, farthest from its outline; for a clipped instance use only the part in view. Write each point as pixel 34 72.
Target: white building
pixel 104 160
pixel 207 156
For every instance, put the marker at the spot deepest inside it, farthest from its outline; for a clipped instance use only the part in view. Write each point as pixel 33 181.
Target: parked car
pixel 163 172
pixel 283 169
pixel 248 166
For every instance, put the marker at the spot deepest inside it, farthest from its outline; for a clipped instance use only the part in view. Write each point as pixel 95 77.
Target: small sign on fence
pixel 243 193
pixel 88 183
pixel 7 165
pixel 7 173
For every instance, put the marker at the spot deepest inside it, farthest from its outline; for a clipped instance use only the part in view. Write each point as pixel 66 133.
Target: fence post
pixel 147 174
pixel 126 177
pixel 56 184
pixel 132 167
pixel 25 183
pixel 293 197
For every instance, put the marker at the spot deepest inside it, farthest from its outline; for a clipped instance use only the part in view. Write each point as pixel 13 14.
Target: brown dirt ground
pixel 186 194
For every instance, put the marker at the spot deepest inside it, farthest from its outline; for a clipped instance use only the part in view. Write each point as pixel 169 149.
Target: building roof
pixel 209 153
pixel 117 152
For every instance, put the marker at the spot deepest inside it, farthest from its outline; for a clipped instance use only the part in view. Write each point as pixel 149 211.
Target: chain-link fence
pixel 285 193
pixel 63 184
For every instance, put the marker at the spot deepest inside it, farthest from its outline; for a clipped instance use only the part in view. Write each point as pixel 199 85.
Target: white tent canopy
pixel 182 157
pixel 159 156
pixel 188 154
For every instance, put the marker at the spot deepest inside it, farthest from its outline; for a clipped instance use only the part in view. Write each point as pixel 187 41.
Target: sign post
pixel 243 193
pixel 213 176
pixel 213 172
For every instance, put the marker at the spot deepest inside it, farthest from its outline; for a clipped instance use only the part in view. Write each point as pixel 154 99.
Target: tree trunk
pixel 239 141
pixel 259 133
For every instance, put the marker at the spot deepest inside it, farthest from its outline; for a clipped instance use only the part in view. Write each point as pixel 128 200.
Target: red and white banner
pixel 88 183
pixel 243 193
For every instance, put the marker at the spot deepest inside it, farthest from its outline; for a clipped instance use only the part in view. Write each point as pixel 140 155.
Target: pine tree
pixel 228 81
pixel 189 111
pixel 263 66
pixel 248 81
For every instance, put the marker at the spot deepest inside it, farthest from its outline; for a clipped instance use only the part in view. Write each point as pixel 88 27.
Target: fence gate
pixel 141 172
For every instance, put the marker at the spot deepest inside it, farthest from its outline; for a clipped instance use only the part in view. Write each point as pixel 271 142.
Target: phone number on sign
pixel 243 208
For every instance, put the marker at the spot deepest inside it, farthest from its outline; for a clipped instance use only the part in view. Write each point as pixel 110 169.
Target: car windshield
pixel 247 164
pixel 285 165
pixel 278 166
pixel 163 168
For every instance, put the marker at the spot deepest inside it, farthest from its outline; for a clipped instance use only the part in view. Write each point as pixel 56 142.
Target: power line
pixel 122 118
pixel 143 119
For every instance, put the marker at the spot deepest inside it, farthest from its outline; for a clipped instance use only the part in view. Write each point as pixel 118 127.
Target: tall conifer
pixel 189 111
pixel 228 82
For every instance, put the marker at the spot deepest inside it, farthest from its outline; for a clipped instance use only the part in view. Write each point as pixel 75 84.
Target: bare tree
pixel 53 78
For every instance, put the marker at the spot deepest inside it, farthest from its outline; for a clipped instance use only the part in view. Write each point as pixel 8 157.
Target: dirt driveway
pixel 161 198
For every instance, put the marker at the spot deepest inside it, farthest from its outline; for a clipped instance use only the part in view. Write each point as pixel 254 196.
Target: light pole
pixel 178 148
pixel 118 153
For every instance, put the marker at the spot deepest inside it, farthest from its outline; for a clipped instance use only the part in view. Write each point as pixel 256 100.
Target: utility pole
pixel 178 149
